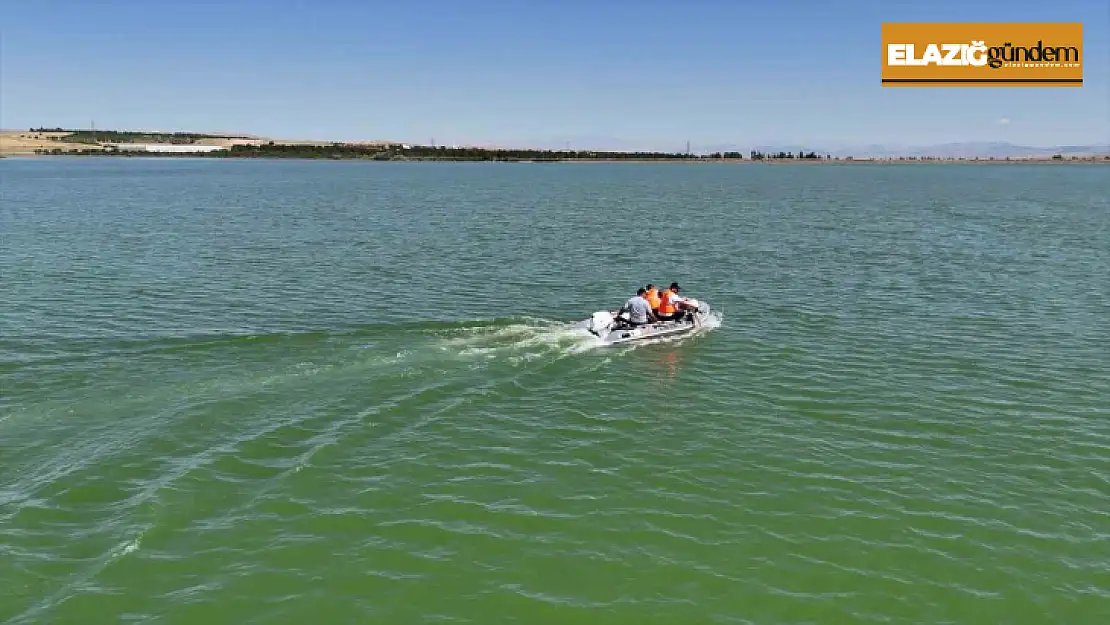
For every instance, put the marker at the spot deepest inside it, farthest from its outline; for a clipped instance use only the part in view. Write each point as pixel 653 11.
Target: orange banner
pixel 982 54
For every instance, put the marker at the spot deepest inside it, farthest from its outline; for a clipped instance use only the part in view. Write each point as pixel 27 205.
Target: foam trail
pixel 533 338
pixel 522 341
pixel 558 336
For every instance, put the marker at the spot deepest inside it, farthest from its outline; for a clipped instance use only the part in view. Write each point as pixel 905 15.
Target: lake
pixel 307 391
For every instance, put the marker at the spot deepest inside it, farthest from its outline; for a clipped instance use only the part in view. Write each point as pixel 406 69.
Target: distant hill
pixel 988 149
pixel 971 149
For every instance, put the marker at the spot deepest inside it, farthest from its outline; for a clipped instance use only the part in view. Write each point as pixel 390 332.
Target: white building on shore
pixel 165 147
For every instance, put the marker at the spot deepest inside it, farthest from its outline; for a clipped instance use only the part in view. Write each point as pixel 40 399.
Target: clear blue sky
pixel 526 71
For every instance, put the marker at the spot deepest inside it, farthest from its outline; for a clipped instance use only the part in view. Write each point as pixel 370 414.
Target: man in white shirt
pixel 638 309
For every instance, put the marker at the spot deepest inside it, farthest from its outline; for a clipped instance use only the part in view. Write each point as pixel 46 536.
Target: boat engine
pixel 601 323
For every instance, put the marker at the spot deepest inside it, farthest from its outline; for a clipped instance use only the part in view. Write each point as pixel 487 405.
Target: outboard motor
pixel 601 323
pixel 703 307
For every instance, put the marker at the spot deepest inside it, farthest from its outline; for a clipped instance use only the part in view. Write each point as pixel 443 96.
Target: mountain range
pixel 969 149
pixel 972 149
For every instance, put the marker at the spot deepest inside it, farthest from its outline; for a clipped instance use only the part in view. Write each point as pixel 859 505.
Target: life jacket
pixel 666 306
pixel 653 298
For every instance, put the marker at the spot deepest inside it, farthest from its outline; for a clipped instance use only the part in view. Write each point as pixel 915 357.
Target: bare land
pixel 26 142
pixel 14 142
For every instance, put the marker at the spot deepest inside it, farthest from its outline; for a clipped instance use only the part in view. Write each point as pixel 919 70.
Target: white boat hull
pixel 612 331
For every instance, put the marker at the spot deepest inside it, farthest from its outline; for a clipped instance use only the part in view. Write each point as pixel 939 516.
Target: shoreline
pixel 692 161
pixel 126 144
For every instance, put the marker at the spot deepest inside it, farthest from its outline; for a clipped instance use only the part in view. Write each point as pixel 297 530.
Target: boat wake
pixel 532 338
pixel 519 342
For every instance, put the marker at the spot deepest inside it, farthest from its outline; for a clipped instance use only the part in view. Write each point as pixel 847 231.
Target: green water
pixel 316 392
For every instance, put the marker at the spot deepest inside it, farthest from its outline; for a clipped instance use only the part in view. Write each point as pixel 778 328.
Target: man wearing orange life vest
pixel 671 304
pixel 652 296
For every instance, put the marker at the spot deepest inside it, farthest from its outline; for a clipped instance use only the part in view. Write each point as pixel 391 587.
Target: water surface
pixel 288 392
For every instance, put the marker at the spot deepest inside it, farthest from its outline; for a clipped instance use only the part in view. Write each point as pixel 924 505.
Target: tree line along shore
pixel 193 145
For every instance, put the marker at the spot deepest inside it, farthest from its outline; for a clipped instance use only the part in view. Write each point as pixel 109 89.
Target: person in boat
pixel 638 309
pixel 672 306
pixel 653 298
